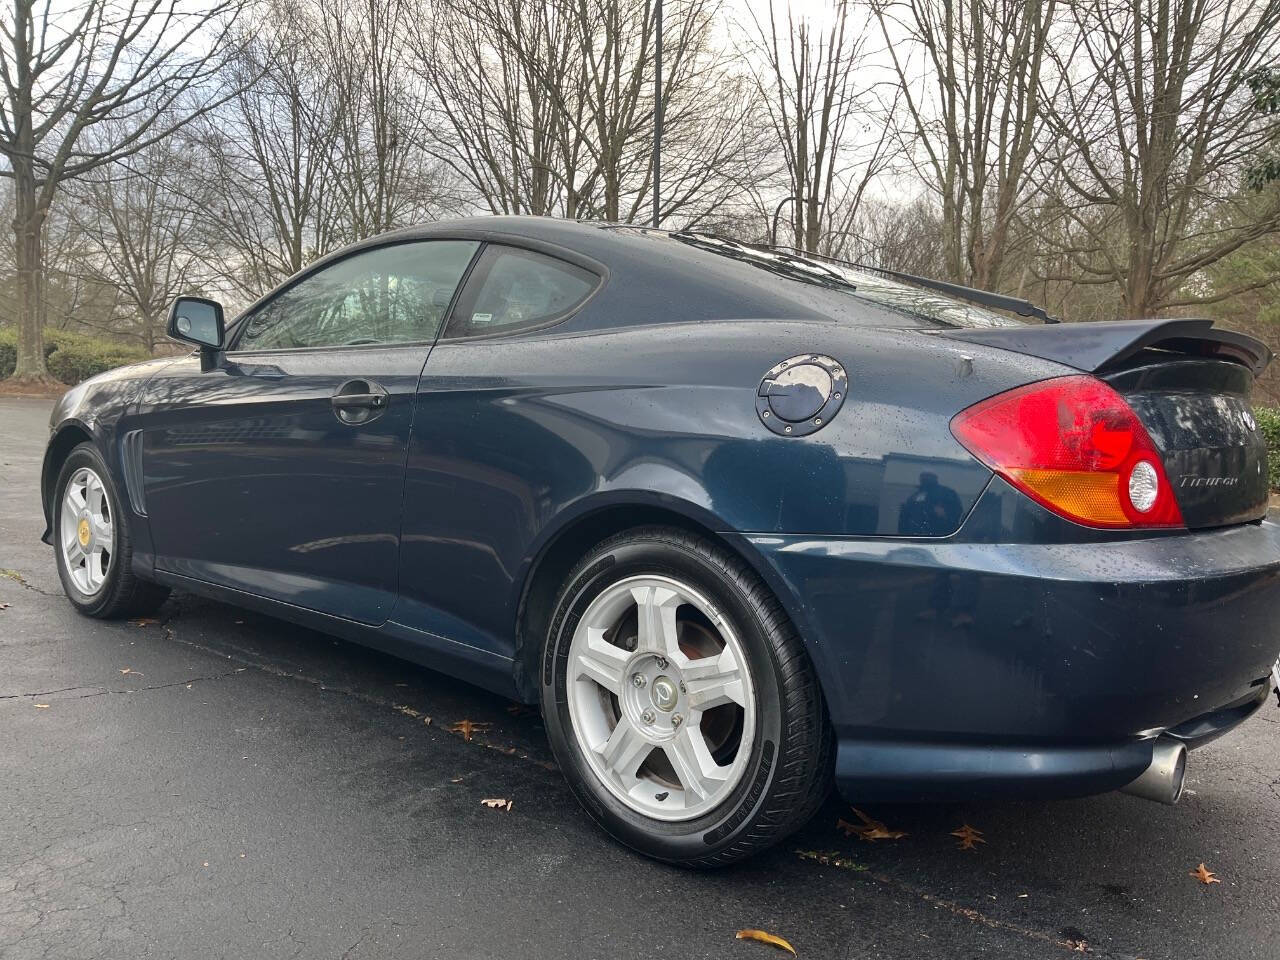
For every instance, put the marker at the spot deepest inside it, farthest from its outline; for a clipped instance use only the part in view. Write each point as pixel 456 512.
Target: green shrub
pixel 8 352
pixel 71 357
pixel 1269 423
pixel 72 362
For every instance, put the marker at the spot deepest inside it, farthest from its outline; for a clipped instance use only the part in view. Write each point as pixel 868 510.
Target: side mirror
pixel 198 320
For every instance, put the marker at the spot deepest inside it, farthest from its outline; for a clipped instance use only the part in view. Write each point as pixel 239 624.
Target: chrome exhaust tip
pixel 1162 780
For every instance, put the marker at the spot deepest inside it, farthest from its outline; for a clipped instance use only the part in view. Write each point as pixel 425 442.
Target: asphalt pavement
pixel 217 783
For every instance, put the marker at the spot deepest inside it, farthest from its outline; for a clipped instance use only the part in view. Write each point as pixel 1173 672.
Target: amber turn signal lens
pixel 1076 447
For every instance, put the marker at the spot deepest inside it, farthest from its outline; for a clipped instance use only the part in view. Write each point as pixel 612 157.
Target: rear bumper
pixel 900 771
pixel 955 670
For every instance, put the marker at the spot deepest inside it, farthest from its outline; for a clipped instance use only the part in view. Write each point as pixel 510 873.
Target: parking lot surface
pixel 215 783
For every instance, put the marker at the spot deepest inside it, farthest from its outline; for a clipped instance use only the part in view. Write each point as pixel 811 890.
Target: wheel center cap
pixel 664 694
pixel 83 531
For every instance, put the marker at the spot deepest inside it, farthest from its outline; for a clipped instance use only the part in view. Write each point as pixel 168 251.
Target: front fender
pixel 93 411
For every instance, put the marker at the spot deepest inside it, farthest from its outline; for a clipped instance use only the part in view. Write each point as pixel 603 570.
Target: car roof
pixel 655 276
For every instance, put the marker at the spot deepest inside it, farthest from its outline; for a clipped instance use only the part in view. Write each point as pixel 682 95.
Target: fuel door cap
pixel 800 396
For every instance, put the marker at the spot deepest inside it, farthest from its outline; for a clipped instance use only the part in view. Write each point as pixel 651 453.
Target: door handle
pixel 369 401
pixel 359 401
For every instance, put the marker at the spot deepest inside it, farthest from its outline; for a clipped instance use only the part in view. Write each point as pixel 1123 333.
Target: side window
pixel 393 294
pixel 511 288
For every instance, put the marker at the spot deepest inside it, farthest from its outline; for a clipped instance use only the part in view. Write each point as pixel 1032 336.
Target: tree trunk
pixel 28 235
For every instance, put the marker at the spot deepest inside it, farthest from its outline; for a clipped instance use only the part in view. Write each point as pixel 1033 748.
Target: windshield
pixel 858 284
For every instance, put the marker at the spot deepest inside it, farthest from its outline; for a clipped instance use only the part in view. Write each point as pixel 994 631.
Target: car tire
pixel 710 640
pixel 94 544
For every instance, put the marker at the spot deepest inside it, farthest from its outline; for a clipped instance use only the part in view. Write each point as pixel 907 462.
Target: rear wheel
pixel 93 542
pixel 680 703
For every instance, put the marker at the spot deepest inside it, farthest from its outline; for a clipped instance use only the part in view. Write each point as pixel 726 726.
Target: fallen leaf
pixel 4 606
pixel 42 706
pixel 408 711
pixel 129 670
pixel 831 859
pixel 969 837
pixel 455 780
pixel 869 829
pixel 521 710
pixel 468 729
pixel 143 622
pixel 761 937
pixel 1205 875
pixel 1077 946
pixel 498 803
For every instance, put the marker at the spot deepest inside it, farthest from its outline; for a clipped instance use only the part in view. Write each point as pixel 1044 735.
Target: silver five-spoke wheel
pixel 660 697
pixel 87 534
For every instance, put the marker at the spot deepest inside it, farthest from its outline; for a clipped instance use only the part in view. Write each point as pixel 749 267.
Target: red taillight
pixel 1073 445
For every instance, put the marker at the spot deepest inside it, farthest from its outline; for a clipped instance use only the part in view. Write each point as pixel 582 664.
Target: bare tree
pixel 1155 134
pixel 809 83
pixel 382 176
pixel 147 65
pixel 141 236
pixel 547 108
pixel 970 77
pixel 494 67
pixel 270 154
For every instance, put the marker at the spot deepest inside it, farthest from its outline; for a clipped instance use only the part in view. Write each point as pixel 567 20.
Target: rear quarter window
pixel 511 289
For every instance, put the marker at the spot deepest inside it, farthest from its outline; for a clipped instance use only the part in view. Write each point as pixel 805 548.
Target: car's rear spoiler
pixel 1096 347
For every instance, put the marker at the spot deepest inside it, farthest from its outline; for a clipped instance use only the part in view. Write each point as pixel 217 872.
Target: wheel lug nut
pixel 676 719
pixel 682 689
pixel 647 716
pixel 637 679
pixel 662 663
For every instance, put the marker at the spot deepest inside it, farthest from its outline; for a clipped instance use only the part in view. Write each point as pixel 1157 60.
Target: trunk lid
pixel 1189 383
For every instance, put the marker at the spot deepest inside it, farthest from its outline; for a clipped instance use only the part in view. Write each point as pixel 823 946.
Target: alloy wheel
pixel 87 533
pixel 660 697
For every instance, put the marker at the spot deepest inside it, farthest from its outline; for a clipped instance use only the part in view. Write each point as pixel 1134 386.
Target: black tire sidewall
pixel 687 840
pixel 85 455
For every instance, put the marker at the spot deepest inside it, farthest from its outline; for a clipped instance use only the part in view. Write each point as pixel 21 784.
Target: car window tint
pixel 513 288
pixel 393 294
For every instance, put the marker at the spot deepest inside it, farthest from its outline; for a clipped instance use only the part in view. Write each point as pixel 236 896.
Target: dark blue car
pixel 741 522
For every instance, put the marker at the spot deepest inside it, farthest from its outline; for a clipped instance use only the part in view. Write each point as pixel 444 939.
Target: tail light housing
pixel 1076 447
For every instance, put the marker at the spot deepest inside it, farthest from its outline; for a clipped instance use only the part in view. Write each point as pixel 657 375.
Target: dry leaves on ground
pixel 4 606
pixel 969 836
pixel 143 622
pixel 761 937
pixel 869 829
pixel 42 706
pixel 1205 875
pixel 499 803
pixel 468 729
pixel 410 712
pixel 127 671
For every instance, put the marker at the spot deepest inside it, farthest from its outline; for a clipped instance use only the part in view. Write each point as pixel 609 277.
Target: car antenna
pixel 984 298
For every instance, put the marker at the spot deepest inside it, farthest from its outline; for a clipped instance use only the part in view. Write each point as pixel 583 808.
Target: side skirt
pixel 470 664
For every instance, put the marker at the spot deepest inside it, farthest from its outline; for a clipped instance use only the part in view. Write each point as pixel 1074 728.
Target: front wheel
pixel 93 542
pixel 680 702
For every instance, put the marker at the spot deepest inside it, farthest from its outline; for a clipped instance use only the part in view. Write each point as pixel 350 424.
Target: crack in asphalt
pixel 17 577
pixel 249 660
pixel 961 911
pixel 98 690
